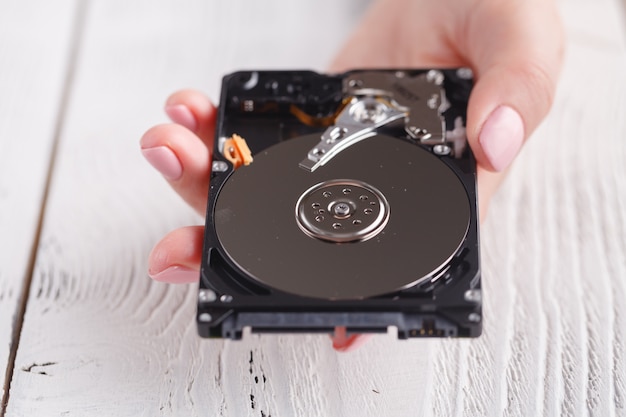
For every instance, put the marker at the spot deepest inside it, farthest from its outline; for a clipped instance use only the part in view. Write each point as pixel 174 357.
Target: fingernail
pixel 344 343
pixel 176 275
pixel 165 161
pixel 352 343
pixel 179 113
pixel 501 137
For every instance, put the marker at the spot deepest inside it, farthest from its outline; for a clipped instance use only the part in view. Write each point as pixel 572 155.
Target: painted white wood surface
pixel 34 50
pixel 101 339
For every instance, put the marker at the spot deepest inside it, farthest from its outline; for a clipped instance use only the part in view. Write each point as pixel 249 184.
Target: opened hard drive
pixel 345 200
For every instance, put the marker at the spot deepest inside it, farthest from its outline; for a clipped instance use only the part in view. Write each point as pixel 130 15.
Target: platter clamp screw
pixel 342 209
pixel 353 211
pixel 206 296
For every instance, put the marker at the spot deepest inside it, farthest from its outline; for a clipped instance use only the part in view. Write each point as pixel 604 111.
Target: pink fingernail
pixel 176 275
pixel 179 113
pixel 165 161
pixel 501 137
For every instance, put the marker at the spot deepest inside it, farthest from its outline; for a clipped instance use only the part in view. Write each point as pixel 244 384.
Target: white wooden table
pixel 84 332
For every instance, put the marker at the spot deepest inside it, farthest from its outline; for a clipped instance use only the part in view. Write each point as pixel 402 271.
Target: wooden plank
pixel 101 339
pixel 33 56
pixel 132 56
pixel 563 212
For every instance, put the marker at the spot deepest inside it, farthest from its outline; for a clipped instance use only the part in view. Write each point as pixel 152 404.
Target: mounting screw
pixel 248 105
pixel 474 317
pixel 464 73
pixel 206 295
pixel 473 296
pixel 219 166
pixel 417 132
pixel 435 77
pixel 442 150
pixel 433 102
pixel 205 317
pixel 226 298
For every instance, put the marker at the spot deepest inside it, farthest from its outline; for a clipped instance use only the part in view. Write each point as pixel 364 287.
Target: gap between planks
pixel 621 5
pixel 68 82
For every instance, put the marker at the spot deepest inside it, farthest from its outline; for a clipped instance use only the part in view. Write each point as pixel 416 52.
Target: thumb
pixel 517 56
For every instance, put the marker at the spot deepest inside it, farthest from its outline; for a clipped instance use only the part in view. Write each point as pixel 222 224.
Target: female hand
pixel 515 49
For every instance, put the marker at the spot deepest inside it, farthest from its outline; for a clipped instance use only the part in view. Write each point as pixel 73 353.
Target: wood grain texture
pixel 34 47
pixel 101 339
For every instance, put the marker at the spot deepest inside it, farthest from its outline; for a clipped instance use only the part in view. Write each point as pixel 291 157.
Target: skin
pixel 514 47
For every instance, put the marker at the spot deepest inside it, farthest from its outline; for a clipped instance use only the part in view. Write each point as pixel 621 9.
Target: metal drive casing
pixel 357 210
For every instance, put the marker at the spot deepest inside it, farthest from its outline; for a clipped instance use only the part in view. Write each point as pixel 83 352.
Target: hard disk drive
pixel 344 200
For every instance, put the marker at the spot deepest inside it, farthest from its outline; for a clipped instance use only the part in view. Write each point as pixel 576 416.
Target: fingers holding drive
pixel 176 258
pixel 517 52
pixel 182 158
pixel 195 111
